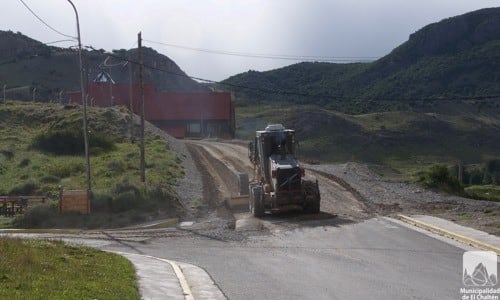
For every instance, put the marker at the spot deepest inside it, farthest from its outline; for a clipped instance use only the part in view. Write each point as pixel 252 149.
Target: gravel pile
pixel 190 187
pixel 378 191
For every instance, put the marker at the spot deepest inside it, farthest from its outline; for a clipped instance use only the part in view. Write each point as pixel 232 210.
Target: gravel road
pixel 350 190
pixel 386 198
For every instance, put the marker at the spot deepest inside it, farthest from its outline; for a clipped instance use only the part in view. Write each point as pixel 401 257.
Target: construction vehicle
pixel 278 178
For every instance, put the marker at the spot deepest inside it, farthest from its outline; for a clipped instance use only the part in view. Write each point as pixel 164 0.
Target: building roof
pixel 104 77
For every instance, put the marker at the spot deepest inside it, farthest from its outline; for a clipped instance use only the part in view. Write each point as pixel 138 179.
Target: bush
pixel 475 176
pixel 70 142
pixel 25 162
pixel 24 189
pixel 101 202
pixel 9 154
pixel 126 201
pixel 37 216
pixel 50 179
pixel 439 177
pixel 65 169
pixel 116 167
pixel 492 170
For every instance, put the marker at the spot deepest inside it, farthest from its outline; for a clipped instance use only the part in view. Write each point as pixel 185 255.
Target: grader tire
pixel 256 206
pixel 312 196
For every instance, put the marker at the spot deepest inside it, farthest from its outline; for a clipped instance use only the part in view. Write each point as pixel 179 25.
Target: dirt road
pixel 349 192
pixel 220 162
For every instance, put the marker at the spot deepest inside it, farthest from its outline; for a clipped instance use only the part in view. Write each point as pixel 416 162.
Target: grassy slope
pixel 35 269
pixel 21 165
pixel 406 141
pixel 457 57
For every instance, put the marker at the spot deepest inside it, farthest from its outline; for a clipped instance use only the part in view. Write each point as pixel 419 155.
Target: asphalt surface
pixel 375 259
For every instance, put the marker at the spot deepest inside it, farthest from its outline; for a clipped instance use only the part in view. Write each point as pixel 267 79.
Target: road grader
pixel 278 181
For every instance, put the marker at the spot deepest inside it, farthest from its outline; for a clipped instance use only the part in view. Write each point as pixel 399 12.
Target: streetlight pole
pixel 84 101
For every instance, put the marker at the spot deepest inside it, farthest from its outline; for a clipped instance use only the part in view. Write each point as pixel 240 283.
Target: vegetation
pixel 484 192
pixel 439 177
pixel 400 140
pixel 39 269
pixel 443 178
pixel 26 64
pixel 39 154
pixel 452 59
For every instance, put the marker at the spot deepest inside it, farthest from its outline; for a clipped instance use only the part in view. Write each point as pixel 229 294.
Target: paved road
pixel 375 259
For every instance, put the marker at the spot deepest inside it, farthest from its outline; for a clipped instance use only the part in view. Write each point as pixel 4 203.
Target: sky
pixel 336 29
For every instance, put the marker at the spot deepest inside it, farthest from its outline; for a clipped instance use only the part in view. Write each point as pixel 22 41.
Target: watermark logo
pixel 480 276
pixel 480 269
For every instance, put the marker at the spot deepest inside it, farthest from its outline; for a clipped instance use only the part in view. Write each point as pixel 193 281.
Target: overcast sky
pixel 333 28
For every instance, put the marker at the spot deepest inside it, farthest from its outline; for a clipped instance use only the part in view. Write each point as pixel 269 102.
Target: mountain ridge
pixel 453 58
pixel 26 64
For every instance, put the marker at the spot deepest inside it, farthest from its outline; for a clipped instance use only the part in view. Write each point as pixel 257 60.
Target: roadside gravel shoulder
pixel 387 197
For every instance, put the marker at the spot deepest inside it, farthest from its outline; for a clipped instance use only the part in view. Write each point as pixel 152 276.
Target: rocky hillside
pixel 452 59
pixel 26 64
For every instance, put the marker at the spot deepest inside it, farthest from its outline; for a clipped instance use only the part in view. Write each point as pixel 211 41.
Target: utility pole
pixel 84 102
pixel 131 98
pixel 141 83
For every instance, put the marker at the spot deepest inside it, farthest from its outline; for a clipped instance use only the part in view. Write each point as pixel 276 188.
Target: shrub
pixel 475 176
pixel 25 162
pixel 65 170
pixel 27 188
pixel 37 216
pixel 9 154
pixel 439 177
pixel 101 202
pixel 116 167
pixel 126 201
pixel 493 170
pixel 50 179
pixel 70 142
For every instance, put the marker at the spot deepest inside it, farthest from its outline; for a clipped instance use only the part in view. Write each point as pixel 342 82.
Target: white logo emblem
pixel 480 268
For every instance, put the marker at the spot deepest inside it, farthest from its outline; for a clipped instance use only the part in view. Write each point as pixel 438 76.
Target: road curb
pixel 449 234
pixel 186 290
pixel 188 294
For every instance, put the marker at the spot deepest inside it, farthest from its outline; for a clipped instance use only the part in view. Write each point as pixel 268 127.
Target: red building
pixel 197 114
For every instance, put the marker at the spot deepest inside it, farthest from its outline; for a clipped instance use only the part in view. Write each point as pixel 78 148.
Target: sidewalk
pixel 165 279
pixel 457 232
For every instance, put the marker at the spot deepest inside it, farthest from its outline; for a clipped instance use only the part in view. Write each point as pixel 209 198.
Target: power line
pixel 309 58
pixel 291 93
pixel 45 23
pixel 59 41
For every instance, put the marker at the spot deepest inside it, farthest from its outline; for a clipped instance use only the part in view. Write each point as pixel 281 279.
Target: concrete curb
pixel 200 285
pixel 449 234
pixel 186 290
pixel 188 294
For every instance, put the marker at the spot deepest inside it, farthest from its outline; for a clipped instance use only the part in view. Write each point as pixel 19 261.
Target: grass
pixel 403 142
pixel 484 192
pixel 39 269
pixel 26 170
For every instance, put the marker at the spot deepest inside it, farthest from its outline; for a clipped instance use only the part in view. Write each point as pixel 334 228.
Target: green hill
pixel 453 59
pixel 408 142
pixel 41 150
pixel 26 64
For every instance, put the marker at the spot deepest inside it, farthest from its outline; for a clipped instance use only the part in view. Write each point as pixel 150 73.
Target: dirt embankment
pixel 389 198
